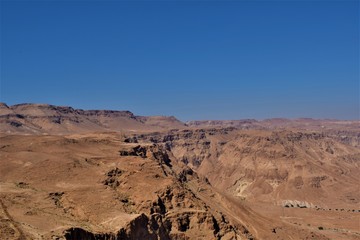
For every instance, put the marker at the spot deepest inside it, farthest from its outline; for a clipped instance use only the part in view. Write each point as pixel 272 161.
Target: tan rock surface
pixel 76 174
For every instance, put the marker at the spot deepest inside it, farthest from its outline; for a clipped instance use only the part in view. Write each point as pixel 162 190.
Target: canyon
pixel 69 173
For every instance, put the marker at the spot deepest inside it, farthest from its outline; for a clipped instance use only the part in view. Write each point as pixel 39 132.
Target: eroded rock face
pixel 112 178
pixel 79 233
pixel 135 151
pixel 158 185
pixel 51 119
pixel 141 227
pixel 252 164
pixel 189 146
pixel 171 225
pixel 155 151
pixel 176 212
pixel 297 204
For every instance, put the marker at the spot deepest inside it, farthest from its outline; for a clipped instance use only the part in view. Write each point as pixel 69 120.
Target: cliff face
pixel 103 187
pixel 269 165
pixel 50 119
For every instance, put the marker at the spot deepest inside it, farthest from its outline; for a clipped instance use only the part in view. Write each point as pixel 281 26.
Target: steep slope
pixel 99 174
pixel 82 187
pixel 243 161
pixel 50 119
pixel 277 169
pixel 98 186
pixel 345 131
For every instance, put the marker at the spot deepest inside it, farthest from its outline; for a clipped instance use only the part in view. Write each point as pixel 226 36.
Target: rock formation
pixel 67 173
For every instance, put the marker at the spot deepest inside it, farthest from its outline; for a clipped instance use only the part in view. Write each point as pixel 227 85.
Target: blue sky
pixel 190 59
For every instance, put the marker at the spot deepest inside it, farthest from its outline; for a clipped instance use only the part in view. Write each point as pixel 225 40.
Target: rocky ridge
pixel 280 163
pixel 45 119
pixel 99 174
pixel 152 195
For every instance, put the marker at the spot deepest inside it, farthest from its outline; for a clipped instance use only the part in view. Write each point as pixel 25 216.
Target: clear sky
pixel 191 59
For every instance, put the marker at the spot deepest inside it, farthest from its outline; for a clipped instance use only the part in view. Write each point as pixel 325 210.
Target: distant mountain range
pixel 28 118
pixel 45 118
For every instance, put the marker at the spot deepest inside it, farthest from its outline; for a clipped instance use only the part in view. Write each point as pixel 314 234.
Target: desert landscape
pixel 179 120
pixel 77 174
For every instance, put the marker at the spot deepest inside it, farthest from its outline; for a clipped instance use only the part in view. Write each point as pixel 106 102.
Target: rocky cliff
pixel 50 119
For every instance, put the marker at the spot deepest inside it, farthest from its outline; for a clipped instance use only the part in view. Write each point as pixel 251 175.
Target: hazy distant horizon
pixel 188 120
pixel 194 60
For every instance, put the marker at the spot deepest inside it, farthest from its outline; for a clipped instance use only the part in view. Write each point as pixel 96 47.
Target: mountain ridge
pixel 46 118
pixel 34 118
pixel 78 174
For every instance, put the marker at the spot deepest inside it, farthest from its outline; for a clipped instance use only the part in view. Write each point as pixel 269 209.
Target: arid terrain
pixel 76 174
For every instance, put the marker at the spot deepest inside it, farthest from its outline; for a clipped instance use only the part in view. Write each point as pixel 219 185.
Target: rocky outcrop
pixel 351 138
pixel 154 151
pixel 134 151
pixel 248 164
pixel 140 227
pixel 177 212
pixel 297 204
pixel 56 197
pixel 165 225
pixel 112 178
pixel 189 146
